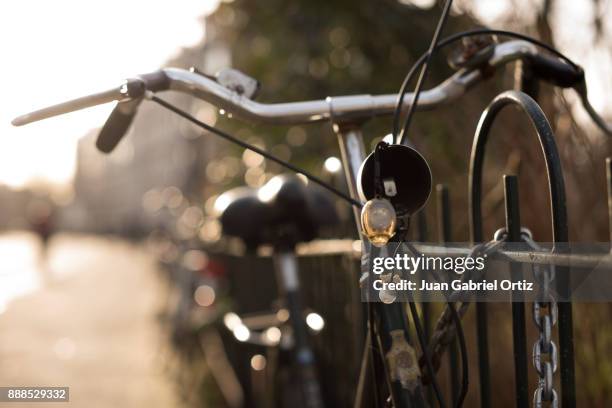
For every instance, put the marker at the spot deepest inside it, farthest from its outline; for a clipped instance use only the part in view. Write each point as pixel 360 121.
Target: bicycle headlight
pixel 378 220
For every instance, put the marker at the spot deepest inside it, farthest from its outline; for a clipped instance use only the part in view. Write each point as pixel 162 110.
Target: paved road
pixel 90 325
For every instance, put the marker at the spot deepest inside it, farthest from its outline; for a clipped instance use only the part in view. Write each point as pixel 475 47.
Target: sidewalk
pixel 92 328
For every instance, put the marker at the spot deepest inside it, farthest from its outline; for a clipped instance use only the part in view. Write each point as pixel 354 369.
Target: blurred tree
pixel 321 48
pixel 303 50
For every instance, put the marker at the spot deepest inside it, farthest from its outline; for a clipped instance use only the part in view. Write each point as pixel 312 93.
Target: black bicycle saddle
pixel 284 211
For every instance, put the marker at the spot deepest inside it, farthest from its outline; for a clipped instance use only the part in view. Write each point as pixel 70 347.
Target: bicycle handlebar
pixel 338 109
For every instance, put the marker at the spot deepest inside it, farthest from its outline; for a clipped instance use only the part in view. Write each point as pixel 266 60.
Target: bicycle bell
pixel 395 181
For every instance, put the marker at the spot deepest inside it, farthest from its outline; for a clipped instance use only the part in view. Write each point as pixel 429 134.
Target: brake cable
pixel 429 352
pixel 425 69
pixel 421 337
pixel 173 108
pixel 427 355
pixel 463 351
pixel 415 317
pixel 445 42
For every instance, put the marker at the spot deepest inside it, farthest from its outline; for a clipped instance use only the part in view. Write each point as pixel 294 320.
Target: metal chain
pixel 545 351
pixel 545 354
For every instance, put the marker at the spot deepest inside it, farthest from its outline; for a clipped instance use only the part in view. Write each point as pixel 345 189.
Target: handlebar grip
pixel 555 71
pixel 117 125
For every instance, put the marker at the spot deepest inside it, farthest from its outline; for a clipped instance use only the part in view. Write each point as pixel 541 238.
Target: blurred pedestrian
pixel 40 216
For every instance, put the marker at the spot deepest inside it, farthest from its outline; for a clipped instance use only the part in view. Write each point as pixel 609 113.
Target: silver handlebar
pixel 338 109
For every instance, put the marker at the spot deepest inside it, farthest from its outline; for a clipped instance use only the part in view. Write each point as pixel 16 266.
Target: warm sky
pixel 60 49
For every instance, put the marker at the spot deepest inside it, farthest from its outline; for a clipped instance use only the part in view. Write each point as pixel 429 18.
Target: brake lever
pixel 234 80
pixel 238 82
pixel 472 52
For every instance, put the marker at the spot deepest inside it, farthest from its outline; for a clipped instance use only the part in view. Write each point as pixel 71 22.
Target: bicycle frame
pixel 289 287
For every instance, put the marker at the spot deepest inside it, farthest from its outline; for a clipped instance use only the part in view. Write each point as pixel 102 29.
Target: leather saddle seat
pixel 284 211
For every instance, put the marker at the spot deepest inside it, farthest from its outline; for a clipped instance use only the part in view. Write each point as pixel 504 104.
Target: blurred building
pixel 161 151
pixel 14 205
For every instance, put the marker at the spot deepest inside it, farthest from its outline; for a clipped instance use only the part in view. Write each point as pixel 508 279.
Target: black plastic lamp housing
pixel 407 169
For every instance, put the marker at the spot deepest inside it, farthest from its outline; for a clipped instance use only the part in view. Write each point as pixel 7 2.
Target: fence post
pixel 445 235
pixel 519 335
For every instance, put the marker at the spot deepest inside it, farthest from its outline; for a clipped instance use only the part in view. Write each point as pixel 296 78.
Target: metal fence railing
pixel 330 271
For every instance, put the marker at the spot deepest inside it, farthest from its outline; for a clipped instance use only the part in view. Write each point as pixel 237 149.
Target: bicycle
pixel 195 308
pixel 368 178
pixel 282 213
